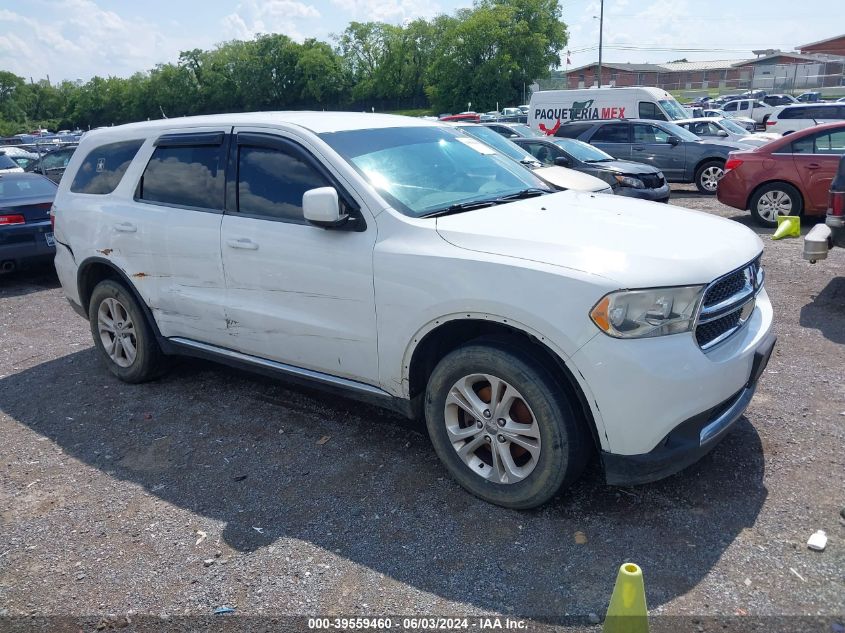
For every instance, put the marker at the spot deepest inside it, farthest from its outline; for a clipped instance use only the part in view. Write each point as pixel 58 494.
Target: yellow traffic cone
pixel 788 226
pixel 627 612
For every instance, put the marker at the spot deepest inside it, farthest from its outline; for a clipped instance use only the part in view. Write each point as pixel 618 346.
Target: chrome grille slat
pixel 720 315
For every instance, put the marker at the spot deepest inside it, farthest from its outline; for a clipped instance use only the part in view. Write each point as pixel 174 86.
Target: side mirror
pixel 321 207
pixel 722 133
pixel 562 161
pixel 673 140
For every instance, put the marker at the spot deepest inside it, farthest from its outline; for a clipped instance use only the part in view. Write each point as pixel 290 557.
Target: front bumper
pixel 641 390
pixel 26 242
pixel 661 194
pixel 690 440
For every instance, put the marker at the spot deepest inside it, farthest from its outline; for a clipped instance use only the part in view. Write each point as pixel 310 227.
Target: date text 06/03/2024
pixel 416 623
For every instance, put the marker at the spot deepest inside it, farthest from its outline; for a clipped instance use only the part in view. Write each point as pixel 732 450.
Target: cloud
pixel 252 17
pixel 392 11
pixel 78 40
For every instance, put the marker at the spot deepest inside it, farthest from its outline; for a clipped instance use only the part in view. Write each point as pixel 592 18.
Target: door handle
pixel 638 148
pixel 813 166
pixel 242 242
pixel 125 227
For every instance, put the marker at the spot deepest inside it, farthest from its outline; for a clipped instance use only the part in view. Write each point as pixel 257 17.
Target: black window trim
pixel 814 138
pixel 196 140
pixel 269 140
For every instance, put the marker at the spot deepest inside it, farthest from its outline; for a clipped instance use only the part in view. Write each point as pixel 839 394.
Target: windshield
pixel 422 170
pixel 524 130
pixel 24 185
pixel 674 109
pixel 677 130
pixel 497 142
pixel 6 162
pixel 732 127
pixel 582 151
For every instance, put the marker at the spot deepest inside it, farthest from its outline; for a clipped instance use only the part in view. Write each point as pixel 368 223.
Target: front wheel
pixel 773 200
pixel 708 175
pixel 503 427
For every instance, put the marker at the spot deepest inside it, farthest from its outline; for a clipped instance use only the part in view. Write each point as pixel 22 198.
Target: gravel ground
pixel 214 487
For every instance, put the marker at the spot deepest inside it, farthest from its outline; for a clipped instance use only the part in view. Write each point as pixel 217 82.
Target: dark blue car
pixel 26 234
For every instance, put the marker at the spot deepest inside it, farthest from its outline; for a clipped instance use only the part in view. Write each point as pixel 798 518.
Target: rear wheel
pixel 503 427
pixel 773 200
pixel 708 175
pixel 122 336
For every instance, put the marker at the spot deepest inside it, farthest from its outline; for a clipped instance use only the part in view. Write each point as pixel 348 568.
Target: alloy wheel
pixel 117 332
pixel 710 177
pixel 773 204
pixel 492 428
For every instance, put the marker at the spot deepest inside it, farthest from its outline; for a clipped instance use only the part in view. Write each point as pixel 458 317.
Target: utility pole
pixel 601 31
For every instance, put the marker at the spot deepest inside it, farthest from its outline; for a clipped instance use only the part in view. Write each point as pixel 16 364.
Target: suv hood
pixel 624 167
pixel 635 243
pixel 566 178
pixel 726 143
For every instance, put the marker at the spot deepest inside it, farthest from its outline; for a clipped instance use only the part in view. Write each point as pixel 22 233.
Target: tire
pixel 708 174
pixel 557 456
pixel 774 199
pixel 110 300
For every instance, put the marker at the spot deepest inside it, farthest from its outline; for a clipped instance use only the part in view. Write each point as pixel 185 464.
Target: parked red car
pixel 788 176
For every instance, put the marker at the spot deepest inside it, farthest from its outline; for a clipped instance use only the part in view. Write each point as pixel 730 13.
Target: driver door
pixel 652 146
pixel 295 293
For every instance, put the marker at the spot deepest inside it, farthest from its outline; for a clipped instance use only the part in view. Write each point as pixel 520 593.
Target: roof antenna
pixel 162 112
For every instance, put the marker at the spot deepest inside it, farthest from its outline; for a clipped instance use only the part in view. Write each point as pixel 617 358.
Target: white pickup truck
pixel 752 108
pixel 397 261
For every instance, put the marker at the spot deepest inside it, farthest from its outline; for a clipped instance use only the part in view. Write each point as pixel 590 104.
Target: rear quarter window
pixel 104 166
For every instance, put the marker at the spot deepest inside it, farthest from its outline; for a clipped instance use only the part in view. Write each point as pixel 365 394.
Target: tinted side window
pixel 185 176
pixel 832 143
pixel 271 183
pixel 104 166
pixel 648 110
pixel 649 134
pixel 793 113
pixel 613 133
pixel 573 130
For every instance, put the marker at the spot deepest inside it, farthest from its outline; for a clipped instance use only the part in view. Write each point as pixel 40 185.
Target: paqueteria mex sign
pixel 580 111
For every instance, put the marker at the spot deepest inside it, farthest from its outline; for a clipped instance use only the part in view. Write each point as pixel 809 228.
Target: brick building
pixel 830 46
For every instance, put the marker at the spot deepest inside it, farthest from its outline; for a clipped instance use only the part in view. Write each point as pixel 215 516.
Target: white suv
pixel 401 262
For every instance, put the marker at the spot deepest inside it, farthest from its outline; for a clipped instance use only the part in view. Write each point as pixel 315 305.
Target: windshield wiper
pixel 525 193
pixel 460 207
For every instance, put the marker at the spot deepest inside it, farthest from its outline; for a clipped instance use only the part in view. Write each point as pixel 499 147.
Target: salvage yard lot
pixel 215 487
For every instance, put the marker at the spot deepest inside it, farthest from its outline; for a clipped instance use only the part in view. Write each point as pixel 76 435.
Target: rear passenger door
pixel 176 216
pixel 296 293
pixel 652 146
pixel 614 138
pixel 817 158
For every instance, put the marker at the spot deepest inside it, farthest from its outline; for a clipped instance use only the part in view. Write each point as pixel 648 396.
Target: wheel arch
pixel 93 270
pixel 772 182
pixel 708 159
pixel 440 337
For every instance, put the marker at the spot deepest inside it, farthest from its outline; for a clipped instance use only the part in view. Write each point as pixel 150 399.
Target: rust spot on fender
pixel 140 275
pixel 106 251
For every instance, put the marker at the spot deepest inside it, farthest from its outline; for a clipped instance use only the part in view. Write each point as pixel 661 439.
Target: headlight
pixel 644 313
pixel 628 181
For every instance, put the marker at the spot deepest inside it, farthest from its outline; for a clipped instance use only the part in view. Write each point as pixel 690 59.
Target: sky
pixel 77 39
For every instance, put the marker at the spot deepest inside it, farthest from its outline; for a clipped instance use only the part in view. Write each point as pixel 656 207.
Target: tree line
pixel 480 55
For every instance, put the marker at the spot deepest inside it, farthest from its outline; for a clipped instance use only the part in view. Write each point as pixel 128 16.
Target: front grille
pixel 707 332
pixel 652 181
pixel 721 312
pixel 725 288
